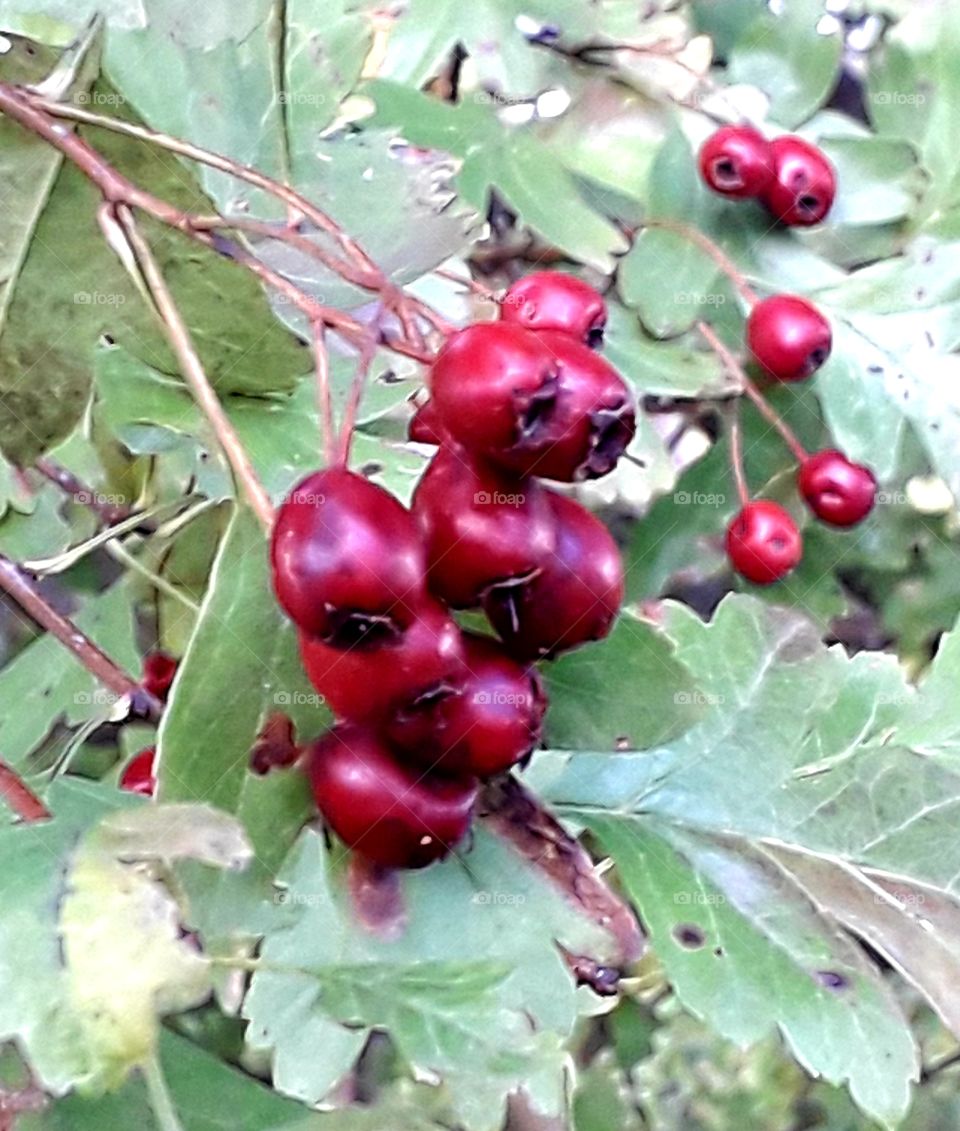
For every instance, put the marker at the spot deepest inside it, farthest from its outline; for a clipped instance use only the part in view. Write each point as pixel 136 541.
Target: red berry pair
pixel 138 775
pixel 791 177
pixel 424 709
pixel 763 541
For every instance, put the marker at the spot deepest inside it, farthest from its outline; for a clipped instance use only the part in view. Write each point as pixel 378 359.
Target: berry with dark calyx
pixel 425 658
pixel 804 183
pixel 159 668
pixel 348 565
pixel 737 161
pixel 393 814
pixel 425 426
pixel 763 542
pixel 138 774
pixel 480 525
pixel 551 300
pixel 838 491
pixel 789 338
pixel 574 598
pixel 491 723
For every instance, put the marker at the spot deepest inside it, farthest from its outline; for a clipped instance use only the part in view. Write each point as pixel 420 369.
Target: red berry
pixel 480 525
pixel 348 565
pixel 788 336
pixel 425 658
pixel 393 814
pixel 488 725
pixel 425 426
pixel 804 183
pixel 763 542
pixel 550 300
pixel 158 672
pixel 838 491
pixel 138 774
pixel 574 598
pixel 737 161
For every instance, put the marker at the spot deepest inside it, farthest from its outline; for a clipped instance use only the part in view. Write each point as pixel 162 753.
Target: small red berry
pixel 425 426
pixel 804 183
pixel 359 684
pixel 395 815
pixel 138 774
pixel 763 542
pixel 489 724
pixel 574 598
pixel 789 337
pixel 838 491
pixel 480 525
pixel 551 300
pixel 737 161
pixel 158 672
pixel 348 565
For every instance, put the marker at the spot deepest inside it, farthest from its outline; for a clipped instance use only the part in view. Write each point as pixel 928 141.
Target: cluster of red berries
pixel 424 709
pixel 790 339
pixel 791 177
pixel 139 773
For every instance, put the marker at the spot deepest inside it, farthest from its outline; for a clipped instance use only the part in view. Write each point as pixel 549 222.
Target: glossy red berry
pixel 425 426
pixel 158 672
pixel 138 774
pixel 551 300
pixel 480 525
pixel 395 815
pixel 804 183
pixel 838 491
pixel 489 724
pixel 737 161
pixel 788 337
pixel 358 684
pixel 574 598
pixel 763 542
pixel 348 565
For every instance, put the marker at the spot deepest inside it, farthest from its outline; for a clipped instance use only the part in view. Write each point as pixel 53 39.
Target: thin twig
pixel 179 338
pixel 471 284
pixel 736 454
pixel 737 371
pixel 14 583
pixel 19 797
pixel 353 401
pixel 713 250
pixel 324 395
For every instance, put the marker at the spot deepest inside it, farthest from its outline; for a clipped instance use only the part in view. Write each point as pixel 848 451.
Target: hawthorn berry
pixel 395 815
pixel 551 300
pixel 480 525
pixel 804 183
pixel 838 491
pixel 159 668
pixel 737 161
pixel 763 542
pixel 138 774
pixel 425 658
pixel 348 564
pixel 574 598
pixel 788 337
pixel 490 723
pixel 425 426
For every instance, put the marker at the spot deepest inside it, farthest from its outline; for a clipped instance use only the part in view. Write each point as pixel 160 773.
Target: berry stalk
pixel 19 797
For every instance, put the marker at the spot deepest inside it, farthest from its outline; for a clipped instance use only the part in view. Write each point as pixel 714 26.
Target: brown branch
pixel 21 800
pixel 736 455
pixel 713 250
pixel 82 493
pixel 516 815
pixel 180 341
pixel 353 402
pixel 15 584
pixel 737 371
pixel 324 395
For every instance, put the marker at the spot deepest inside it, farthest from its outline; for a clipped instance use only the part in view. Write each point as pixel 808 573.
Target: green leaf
pixel 526 173
pixel 792 755
pixel 790 59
